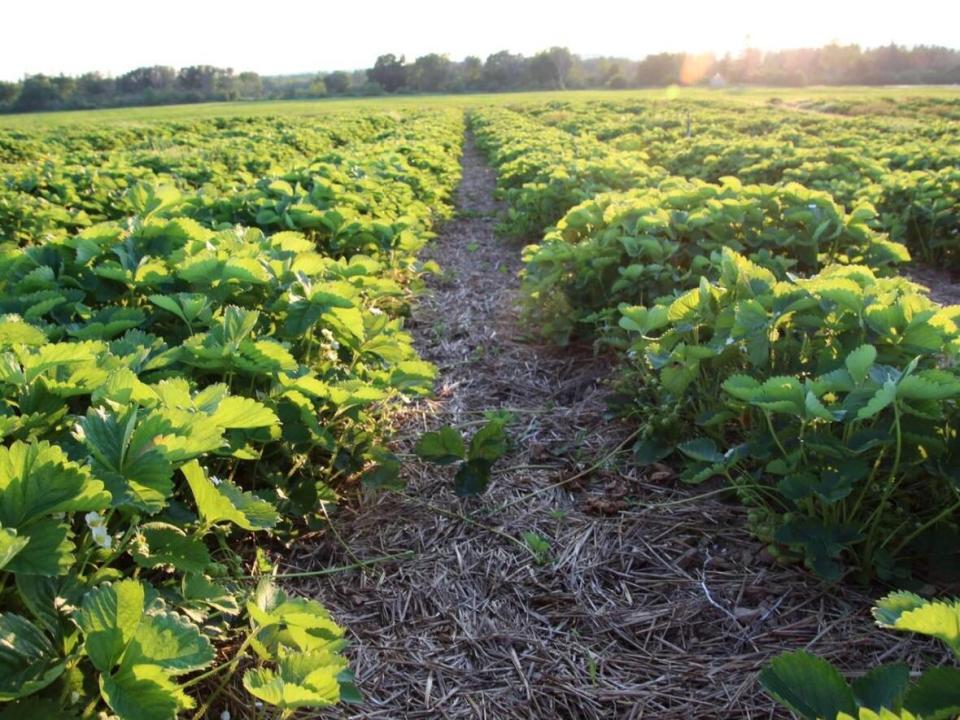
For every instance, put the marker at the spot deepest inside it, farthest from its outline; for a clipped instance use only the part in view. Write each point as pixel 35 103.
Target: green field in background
pixel 322 106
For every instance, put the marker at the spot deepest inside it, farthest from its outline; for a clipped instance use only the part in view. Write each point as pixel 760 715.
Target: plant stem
pixel 231 669
pixel 334 570
pixel 925 526
pixel 873 522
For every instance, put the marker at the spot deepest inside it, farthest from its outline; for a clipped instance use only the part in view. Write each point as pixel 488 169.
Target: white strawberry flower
pixel 98 529
pixel 101 537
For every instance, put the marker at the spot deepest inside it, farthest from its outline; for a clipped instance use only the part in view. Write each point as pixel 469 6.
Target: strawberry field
pixel 212 343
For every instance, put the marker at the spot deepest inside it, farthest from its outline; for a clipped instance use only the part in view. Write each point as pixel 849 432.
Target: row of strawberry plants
pixel 650 271
pixel 542 172
pixel 768 341
pixel 905 168
pixel 181 394
pixel 78 177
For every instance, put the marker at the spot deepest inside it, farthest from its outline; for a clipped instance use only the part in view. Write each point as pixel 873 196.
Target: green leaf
pixel 127 457
pixel 237 325
pixel 889 608
pixel 347 321
pixel 860 361
pixel 50 599
pixel 36 707
pixel 146 199
pixel 882 687
pixel 10 545
pixel 17 332
pixel 701 449
pixel 816 409
pixel 809 686
pixel 292 622
pixel 742 387
pixel 199 589
pixel 301 680
pixel 929 385
pixel 169 641
pixel 164 544
pixel 58 355
pixel 222 500
pixel 385 472
pixel 650 450
pixel 189 307
pixel 236 412
pixel 880 400
pixel 822 542
pixel 143 692
pixel 443 447
pixel 936 695
pixel 472 478
pixel 906 611
pixel 489 443
pixel 109 617
pixel 167 303
pixel 48 552
pixel 413 376
pixel 37 479
pixel 28 660
pixel 782 394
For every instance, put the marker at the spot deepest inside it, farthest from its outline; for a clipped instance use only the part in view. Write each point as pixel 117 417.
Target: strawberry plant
pixel 835 393
pixel 814 689
pixel 637 246
pixel 178 387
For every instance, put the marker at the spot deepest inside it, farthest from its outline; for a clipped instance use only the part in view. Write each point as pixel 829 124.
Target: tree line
pixel 556 68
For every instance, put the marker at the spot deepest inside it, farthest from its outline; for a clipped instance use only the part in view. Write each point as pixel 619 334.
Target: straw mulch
pixel 638 610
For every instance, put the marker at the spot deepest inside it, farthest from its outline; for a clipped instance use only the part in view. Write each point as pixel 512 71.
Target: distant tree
pixel 204 78
pixel 658 70
pixel 429 73
pixel 249 85
pixel 616 82
pixel 504 71
pixel 358 78
pixel 609 69
pixel 338 83
pixel 470 73
pixel 542 71
pixel 562 60
pixel 37 92
pixel 551 68
pixel 94 87
pixel 8 92
pixel 389 72
pixel 317 88
pixel 370 89
pixel 66 87
pixel 158 77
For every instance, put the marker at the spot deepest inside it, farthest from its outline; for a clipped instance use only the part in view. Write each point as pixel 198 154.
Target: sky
pixel 293 36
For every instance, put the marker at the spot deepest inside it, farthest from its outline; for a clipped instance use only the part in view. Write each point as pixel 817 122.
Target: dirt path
pixel 641 610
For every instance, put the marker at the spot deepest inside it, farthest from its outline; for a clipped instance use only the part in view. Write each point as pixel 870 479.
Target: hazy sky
pixel 288 36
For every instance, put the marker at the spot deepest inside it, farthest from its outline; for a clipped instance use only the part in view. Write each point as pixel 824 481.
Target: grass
pixel 332 105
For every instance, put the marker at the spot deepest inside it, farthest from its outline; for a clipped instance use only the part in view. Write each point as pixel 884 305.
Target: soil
pixel 653 600
pixel 943 285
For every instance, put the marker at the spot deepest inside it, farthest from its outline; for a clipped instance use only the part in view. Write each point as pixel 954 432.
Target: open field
pixel 310 108
pixel 585 404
